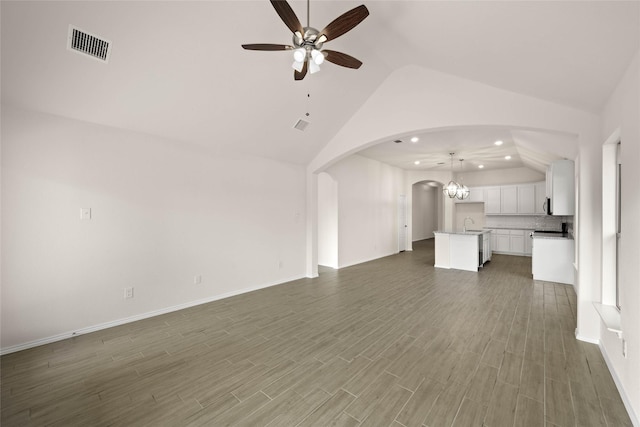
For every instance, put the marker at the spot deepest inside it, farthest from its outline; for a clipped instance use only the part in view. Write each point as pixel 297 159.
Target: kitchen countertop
pixel 560 236
pixel 464 233
pixel 510 228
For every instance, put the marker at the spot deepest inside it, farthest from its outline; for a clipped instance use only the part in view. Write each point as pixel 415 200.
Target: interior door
pixel 402 223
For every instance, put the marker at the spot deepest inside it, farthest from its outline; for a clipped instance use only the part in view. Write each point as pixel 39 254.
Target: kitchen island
pixel 553 257
pixel 462 250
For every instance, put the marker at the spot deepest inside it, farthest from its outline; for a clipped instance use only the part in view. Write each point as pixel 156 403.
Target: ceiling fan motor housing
pixel 310 39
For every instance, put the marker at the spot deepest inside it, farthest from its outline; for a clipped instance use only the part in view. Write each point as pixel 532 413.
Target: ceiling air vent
pixel 89 44
pixel 301 125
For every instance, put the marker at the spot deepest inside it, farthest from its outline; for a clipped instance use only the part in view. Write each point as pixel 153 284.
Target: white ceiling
pixel 474 147
pixel 177 69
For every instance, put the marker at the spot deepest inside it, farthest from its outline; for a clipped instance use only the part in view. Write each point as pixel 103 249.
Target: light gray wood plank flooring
pixel 392 342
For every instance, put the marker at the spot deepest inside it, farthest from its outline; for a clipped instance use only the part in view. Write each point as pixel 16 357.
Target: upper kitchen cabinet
pixel 509 200
pixel 492 201
pixel 513 199
pixel 561 187
pixel 540 198
pixel 527 198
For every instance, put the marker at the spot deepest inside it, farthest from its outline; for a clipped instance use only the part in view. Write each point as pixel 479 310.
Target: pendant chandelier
pixel 453 189
pixel 463 191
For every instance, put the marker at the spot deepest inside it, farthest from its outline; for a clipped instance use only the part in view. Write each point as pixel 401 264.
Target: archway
pixel 414 98
pixel 426 209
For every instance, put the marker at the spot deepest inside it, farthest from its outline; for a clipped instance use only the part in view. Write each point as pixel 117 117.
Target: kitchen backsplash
pixel 528 222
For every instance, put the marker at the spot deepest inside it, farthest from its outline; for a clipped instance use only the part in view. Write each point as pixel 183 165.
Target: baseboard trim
pixel 142 316
pixel 625 399
pixel 366 260
pixel 587 339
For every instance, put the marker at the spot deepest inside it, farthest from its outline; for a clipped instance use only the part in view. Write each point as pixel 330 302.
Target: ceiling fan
pixel 308 42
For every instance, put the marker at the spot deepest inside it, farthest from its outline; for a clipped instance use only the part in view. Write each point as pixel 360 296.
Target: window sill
pixel 610 317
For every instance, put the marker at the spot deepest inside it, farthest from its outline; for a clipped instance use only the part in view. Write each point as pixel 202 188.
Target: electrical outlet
pixel 197 280
pixel 280 264
pixel 128 293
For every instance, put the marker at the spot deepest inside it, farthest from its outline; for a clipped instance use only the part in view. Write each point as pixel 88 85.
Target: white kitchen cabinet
pixel 561 187
pixel 511 242
pixel 509 200
pixel 516 241
pixel 494 241
pixel 492 200
pixel 540 198
pixel 486 247
pixel 526 199
pixel 502 241
pixel 514 199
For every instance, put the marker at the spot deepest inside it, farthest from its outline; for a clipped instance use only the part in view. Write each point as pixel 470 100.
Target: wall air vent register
pixel 88 44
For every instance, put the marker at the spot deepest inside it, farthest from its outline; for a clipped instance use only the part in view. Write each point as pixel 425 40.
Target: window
pixel 611 221
pixel 618 220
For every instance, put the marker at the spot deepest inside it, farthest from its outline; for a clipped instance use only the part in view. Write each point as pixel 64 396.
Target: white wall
pixel 475 211
pixel 327 221
pixel 622 112
pixel 368 193
pixel 424 211
pixel 162 212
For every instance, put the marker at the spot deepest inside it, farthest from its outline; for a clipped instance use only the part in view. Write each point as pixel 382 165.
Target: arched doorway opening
pixel 426 209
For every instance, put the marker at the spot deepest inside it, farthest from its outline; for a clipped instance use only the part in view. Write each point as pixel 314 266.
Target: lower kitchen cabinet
pixel 511 242
pixel 502 241
pixel 552 260
pixel 516 241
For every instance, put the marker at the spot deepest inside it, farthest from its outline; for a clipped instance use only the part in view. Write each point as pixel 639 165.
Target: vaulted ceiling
pixel 177 69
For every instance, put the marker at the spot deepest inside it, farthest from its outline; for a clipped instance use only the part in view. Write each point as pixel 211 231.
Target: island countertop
pixel 464 233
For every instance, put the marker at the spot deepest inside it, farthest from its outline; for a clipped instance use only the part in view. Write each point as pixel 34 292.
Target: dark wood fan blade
pixel 266 46
pixel 341 59
pixel 300 75
pixel 287 15
pixel 345 22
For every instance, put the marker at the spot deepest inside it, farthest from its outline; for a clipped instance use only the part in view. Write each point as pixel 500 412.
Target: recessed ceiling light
pixel 507 157
pixel 480 166
pixel 498 142
pixel 417 162
pixel 415 139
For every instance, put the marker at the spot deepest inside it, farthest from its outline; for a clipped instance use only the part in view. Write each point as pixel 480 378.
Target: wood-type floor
pixel 392 342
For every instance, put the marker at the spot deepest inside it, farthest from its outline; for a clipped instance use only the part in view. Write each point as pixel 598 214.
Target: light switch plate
pixel 85 213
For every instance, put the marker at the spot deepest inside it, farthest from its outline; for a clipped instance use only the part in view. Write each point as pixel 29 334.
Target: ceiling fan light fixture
pixel 307 39
pixel 299 55
pixel 313 67
pixel 297 66
pixel 317 56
